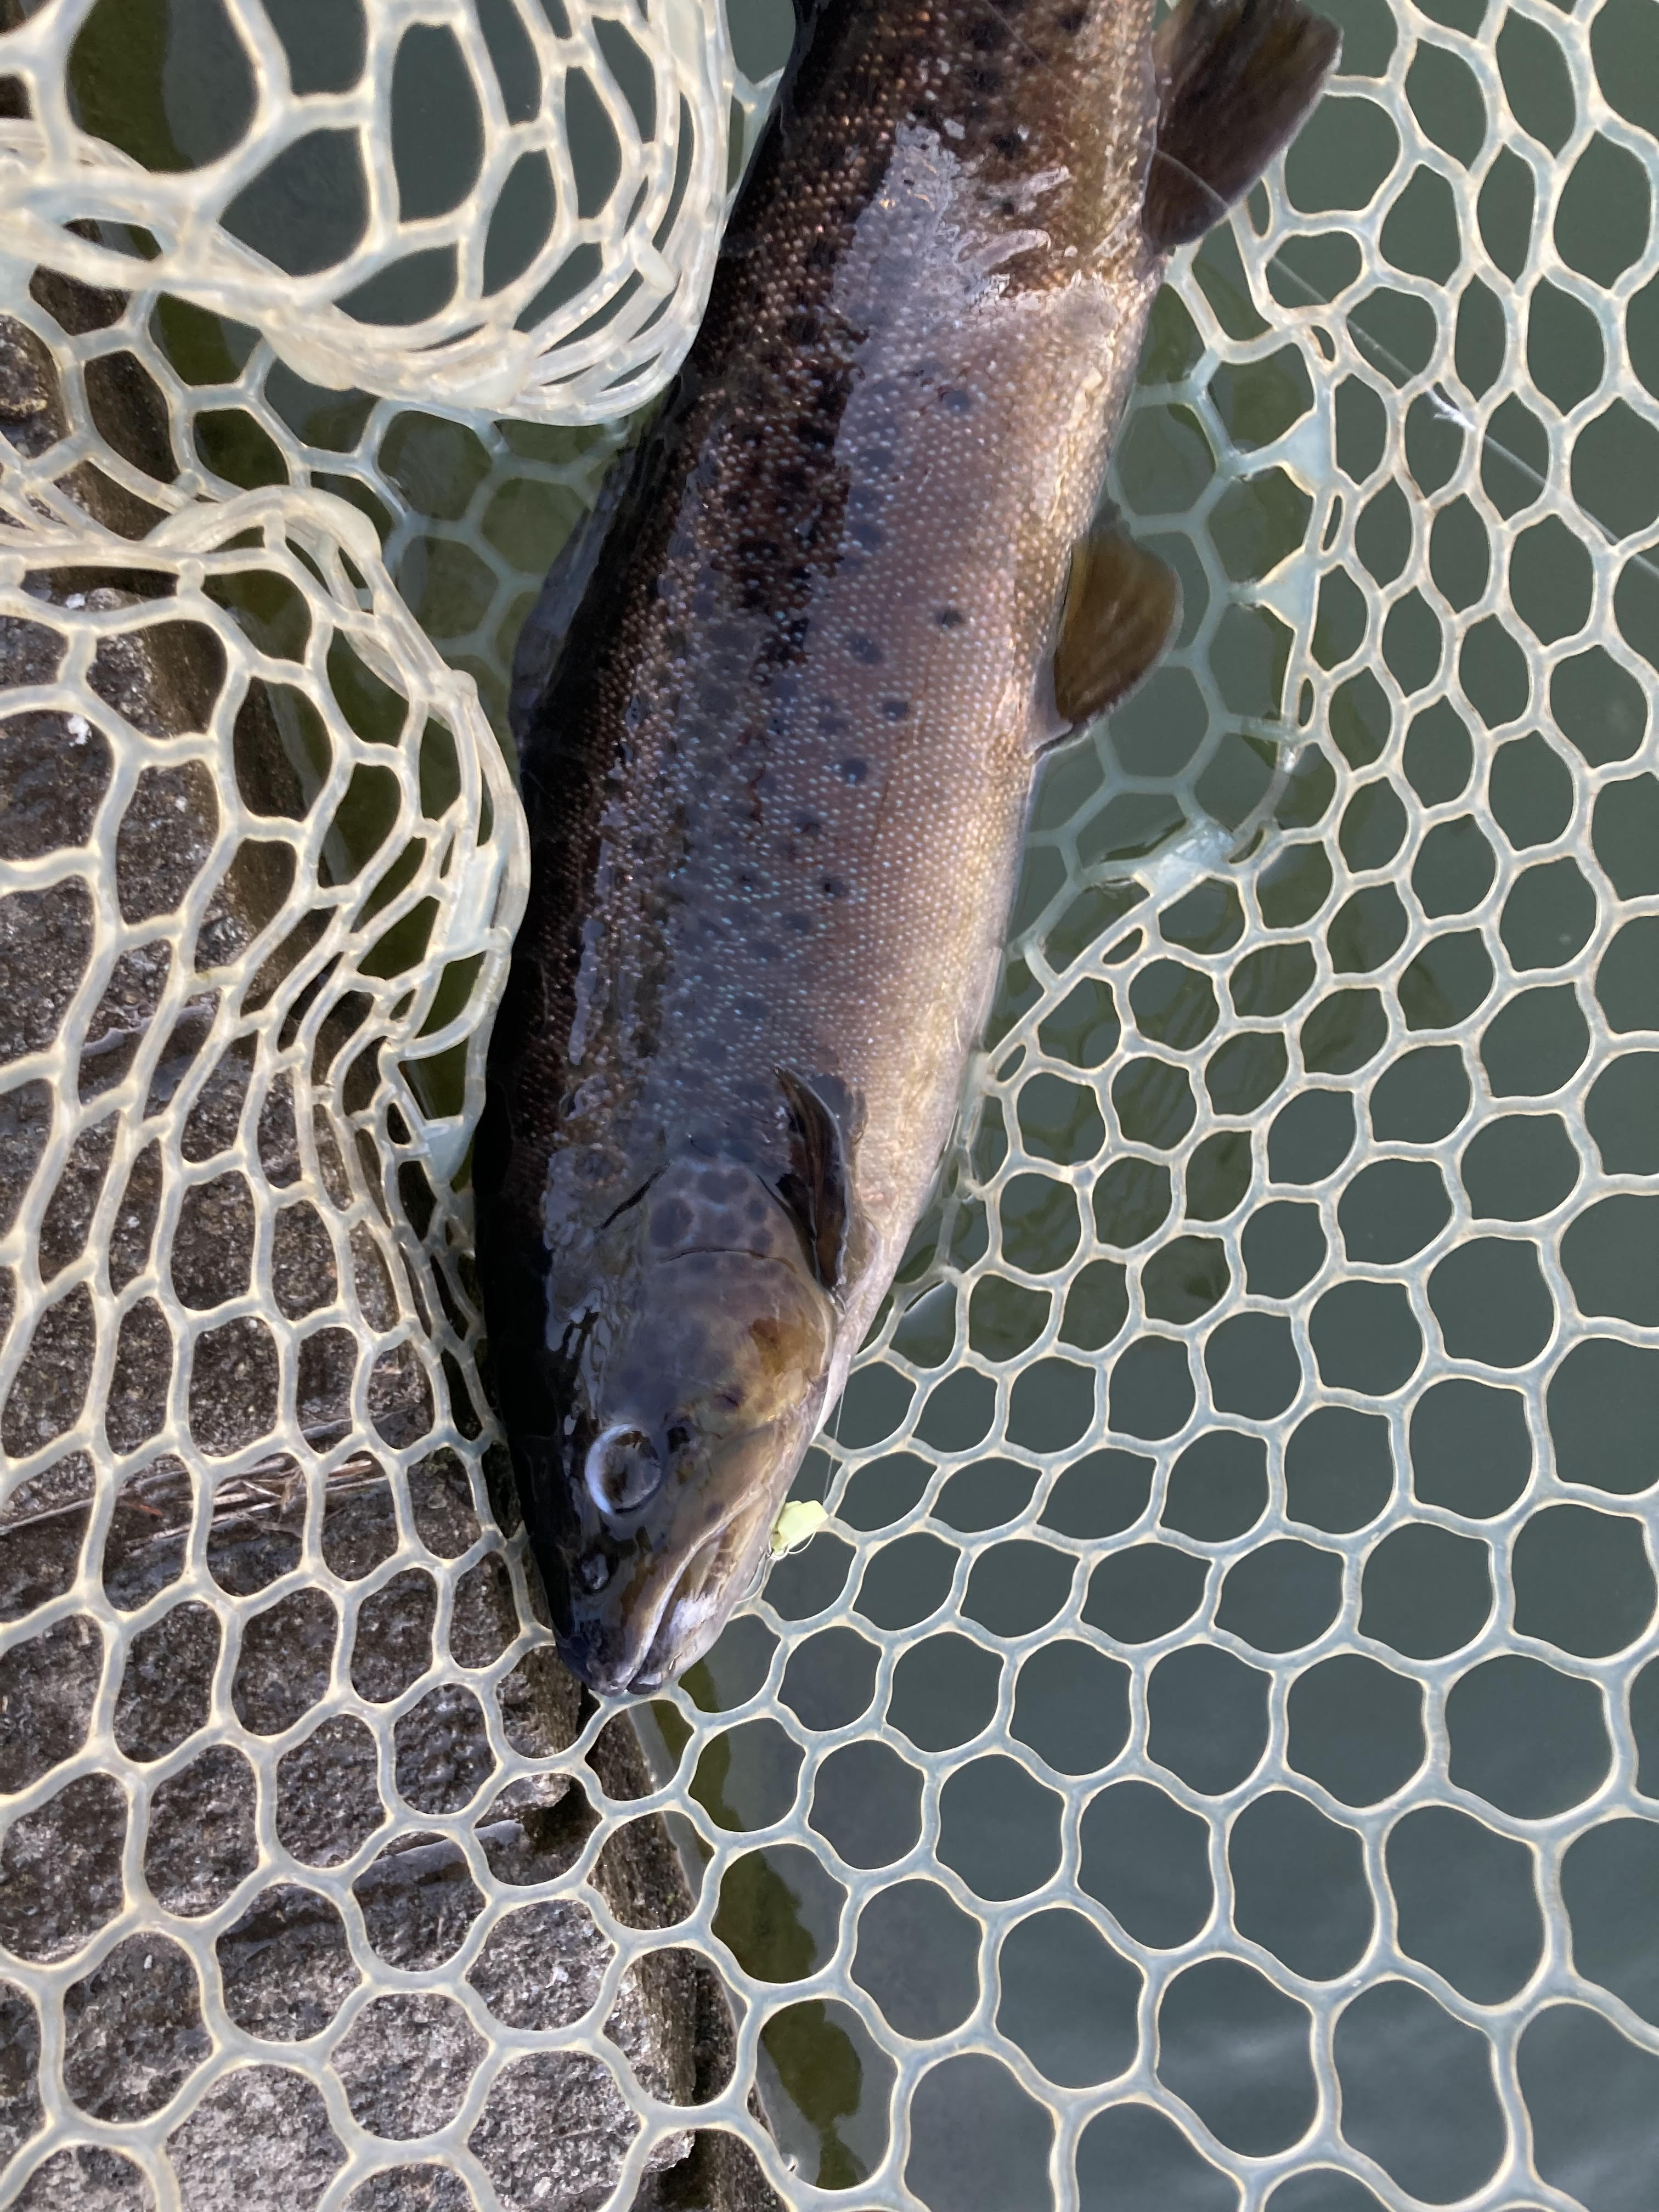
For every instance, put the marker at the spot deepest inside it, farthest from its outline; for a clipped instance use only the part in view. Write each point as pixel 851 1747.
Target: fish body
pixel 779 711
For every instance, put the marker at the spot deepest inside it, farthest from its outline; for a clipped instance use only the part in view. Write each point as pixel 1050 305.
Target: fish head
pixel 694 1370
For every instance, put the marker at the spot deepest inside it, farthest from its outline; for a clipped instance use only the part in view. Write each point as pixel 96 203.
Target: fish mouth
pixel 668 1619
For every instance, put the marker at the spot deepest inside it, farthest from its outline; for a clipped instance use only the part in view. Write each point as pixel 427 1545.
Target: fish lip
pixel 632 1672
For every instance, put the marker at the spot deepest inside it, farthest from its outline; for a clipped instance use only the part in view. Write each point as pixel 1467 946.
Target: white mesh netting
pixel 1213 1759
pixel 504 203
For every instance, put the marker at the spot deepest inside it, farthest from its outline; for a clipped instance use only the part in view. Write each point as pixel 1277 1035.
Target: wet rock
pixel 24 1125
pixel 144 1548
pixel 411 2189
pixel 400 1396
pixel 212 1252
pixel 328 1800
pixel 42 1525
pixel 214 1120
pixel 302 1271
pixel 132 2030
pixel 47 1685
pixel 405 2062
pixel 484 1617
pixel 136 1403
pixel 54 768
pixel 70 1209
pixel 285 1967
pixel 134 1225
pixel 31 405
pixel 258 1527
pixel 534 1830
pixel 393 1645
pixel 232 1386
pixel 440 1495
pixel 201 1842
pixel 284 1665
pixel 277 1136
pixel 541 1704
pixel 259 2141
pixel 45 942
pixel 360 1522
pixel 20 2112
pixel 327 1371
pixel 86 2177
pixel 554 2128
pixel 418 1900
pixel 171 821
pixel 443 1753
pixel 50 1387
pixel 121 1019
pixel 168 1683
pixel 60 1869
pixel 541 1966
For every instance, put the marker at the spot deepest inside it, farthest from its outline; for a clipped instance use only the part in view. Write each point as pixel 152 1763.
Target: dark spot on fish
pixel 832 723
pixel 809 825
pixel 872 537
pixel 950 617
pixel 821 254
pixel 864 649
pixel 987 80
pixel 833 887
pixel 1007 144
pixel 897 710
pixel 752 1010
pixel 670 1221
pixel 955 401
pixel 802 329
pixel 852 771
pixel 814 434
pixel 800 923
pixel 1073 20
pixel 987 38
pixel 878 459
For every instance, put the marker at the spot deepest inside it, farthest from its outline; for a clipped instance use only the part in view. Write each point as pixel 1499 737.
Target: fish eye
pixel 594 1571
pixel 678 1437
pixel 622 1470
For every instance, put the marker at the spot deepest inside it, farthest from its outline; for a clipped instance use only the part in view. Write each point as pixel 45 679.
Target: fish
pixel 779 709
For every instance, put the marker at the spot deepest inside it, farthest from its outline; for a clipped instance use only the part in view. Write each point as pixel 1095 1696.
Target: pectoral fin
pixel 1237 77
pixel 816 1188
pixel 1122 606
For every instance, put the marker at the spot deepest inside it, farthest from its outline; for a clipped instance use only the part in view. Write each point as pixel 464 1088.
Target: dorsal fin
pixel 1122 606
pixel 1237 77
pixel 816 1187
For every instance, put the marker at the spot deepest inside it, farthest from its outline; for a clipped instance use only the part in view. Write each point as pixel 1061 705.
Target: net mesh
pixel 1212 1756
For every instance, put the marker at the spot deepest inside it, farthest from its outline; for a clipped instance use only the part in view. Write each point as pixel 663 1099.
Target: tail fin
pixel 1237 76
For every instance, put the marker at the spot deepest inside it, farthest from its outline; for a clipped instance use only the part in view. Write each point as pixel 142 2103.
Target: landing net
pixel 1210 1759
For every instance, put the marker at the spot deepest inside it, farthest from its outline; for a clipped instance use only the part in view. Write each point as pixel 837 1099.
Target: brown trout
pixel 779 709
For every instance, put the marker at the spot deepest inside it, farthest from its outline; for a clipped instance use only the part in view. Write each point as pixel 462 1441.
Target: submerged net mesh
pixel 1213 1758
pixel 504 203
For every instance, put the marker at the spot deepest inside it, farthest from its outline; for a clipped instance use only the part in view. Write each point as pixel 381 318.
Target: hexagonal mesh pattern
pixel 1212 1760
pixel 502 204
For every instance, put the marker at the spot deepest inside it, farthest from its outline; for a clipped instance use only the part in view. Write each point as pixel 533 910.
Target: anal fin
pixel 1236 78
pixel 1122 606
